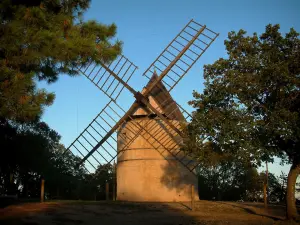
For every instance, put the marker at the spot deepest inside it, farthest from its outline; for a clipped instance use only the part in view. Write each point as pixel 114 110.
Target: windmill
pixel 145 138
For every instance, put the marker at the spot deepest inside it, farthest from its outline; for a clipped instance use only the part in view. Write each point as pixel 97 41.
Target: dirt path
pixel 140 213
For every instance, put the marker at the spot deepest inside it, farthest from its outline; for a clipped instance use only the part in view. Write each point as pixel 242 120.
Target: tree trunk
pixel 291 209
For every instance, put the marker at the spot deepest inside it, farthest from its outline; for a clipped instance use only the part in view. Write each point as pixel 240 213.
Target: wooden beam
pixel 143 98
pixel 119 79
pixel 152 64
pixel 42 190
pixel 132 109
pixel 164 73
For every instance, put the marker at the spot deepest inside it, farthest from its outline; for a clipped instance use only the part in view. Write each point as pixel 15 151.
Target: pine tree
pixel 40 40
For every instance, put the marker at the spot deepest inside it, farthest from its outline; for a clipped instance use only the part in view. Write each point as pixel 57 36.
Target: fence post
pixel 192 198
pixel 114 182
pixel 42 190
pixel 107 191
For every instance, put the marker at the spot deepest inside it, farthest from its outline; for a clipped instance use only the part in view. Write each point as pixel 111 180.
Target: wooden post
pixel 11 184
pixel 265 196
pixel 107 191
pixel 267 182
pixel 42 190
pixel 192 198
pixel 114 191
pixel 266 187
pixel 114 182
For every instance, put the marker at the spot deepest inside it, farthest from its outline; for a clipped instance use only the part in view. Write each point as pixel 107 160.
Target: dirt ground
pixel 78 212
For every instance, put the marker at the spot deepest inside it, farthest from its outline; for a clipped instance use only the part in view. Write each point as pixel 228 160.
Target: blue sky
pixel 146 27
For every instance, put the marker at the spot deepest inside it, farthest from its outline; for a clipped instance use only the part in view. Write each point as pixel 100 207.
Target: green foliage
pixel 31 152
pixel 94 187
pixel 276 187
pixel 250 104
pixel 250 107
pixel 229 181
pixel 233 180
pixel 25 152
pixel 40 40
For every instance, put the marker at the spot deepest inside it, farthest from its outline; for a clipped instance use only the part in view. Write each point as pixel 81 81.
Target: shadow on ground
pixel 78 212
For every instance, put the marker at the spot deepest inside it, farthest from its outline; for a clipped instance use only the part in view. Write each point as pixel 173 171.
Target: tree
pixel 39 40
pixel 25 150
pixel 276 192
pixel 233 180
pixel 229 180
pixel 63 179
pixel 251 103
pixel 104 174
pixel 30 152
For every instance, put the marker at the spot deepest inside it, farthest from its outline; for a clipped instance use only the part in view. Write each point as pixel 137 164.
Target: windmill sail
pixel 89 138
pixel 102 124
pixel 200 38
pixel 97 144
pixel 105 81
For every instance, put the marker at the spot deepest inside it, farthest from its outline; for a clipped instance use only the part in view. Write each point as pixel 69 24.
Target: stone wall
pixel 146 170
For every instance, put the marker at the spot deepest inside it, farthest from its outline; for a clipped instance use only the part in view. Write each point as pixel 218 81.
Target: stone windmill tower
pixel 146 171
pixel 146 138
